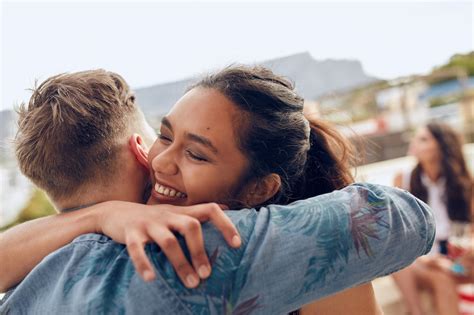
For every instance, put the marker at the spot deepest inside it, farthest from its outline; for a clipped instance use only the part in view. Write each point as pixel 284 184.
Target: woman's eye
pixel 195 157
pixel 163 138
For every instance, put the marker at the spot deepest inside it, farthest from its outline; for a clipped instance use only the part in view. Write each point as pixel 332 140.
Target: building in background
pixel 378 115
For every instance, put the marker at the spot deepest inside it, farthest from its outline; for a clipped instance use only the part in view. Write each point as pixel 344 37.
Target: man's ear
pixel 262 189
pixel 139 149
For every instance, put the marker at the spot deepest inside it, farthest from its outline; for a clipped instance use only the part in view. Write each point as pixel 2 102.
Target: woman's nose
pixel 164 164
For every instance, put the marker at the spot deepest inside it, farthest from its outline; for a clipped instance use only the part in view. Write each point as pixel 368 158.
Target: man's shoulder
pixel 87 247
pixel 57 283
pixel 93 238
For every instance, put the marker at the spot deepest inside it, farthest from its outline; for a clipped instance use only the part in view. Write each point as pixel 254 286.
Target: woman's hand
pixel 135 225
pixel 466 261
pixel 443 264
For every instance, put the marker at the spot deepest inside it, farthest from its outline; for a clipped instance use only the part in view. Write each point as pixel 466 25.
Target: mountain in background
pixel 312 79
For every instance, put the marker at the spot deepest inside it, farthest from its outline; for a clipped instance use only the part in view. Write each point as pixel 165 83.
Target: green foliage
pixel 459 65
pixel 444 100
pixel 38 206
pixel 463 61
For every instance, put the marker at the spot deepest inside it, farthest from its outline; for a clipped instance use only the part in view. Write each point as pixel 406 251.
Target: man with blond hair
pixel 83 140
pixel 82 122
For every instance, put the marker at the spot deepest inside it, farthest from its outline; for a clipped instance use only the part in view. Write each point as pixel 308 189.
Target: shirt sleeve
pixel 313 248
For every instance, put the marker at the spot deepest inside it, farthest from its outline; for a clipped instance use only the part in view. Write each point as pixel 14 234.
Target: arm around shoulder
pixel 316 247
pixel 22 247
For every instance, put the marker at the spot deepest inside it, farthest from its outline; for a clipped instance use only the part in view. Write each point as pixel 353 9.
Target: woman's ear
pixel 263 189
pixel 139 149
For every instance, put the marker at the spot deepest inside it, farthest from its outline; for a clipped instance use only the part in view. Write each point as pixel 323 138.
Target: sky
pixel 156 42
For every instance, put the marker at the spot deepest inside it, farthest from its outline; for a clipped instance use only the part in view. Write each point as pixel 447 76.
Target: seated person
pixel 440 178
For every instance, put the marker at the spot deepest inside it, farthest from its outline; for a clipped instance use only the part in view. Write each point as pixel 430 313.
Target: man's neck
pixel 88 197
pixel 77 208
pixel 85 197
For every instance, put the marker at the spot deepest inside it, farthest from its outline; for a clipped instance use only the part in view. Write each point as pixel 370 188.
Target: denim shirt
pixel 290 256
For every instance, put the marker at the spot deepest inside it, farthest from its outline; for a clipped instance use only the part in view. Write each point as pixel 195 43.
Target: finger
pixel 222 222
pixel 212 212
pixel 171 248
pixel 136 250
pixel 190 228
pixel 223 206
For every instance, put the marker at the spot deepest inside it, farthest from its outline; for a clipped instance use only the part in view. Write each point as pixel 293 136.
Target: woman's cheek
pixel 195 183
pixel 152 153
pixel 206 186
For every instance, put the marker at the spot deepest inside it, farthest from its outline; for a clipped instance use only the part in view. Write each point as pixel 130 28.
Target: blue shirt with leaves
pixel 290 256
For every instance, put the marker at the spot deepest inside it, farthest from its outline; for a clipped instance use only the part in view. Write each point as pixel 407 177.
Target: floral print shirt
pixel 290 256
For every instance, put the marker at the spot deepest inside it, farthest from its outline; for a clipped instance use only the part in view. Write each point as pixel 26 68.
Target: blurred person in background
pixel 441 179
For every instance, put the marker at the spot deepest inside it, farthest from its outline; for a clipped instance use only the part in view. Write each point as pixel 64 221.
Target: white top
pixel 436 191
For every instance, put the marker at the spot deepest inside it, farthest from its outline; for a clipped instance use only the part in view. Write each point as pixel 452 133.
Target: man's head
pixel 75 139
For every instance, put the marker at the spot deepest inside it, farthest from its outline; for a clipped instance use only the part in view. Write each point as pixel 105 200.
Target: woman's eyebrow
pixel 165 122
pixel 202 140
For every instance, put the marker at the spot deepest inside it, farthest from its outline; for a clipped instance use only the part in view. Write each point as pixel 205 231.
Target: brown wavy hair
pixel 309 155
pixel 453 169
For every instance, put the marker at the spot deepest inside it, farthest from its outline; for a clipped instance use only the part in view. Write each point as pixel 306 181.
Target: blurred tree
pixel 38 206
pixel 459 67
pixel 464 61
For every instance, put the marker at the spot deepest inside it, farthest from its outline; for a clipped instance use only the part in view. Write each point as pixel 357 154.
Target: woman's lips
pixel 166 193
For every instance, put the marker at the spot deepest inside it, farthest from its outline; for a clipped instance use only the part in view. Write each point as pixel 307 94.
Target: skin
pixel 421 274
pixel 25 245
pixel 173 164
pixel 426 150
pixel 204 173
pixel 130 171
pixel 212 174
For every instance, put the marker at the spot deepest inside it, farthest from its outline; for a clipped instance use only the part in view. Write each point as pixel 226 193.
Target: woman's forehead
pixel 206 112
pixel 423 132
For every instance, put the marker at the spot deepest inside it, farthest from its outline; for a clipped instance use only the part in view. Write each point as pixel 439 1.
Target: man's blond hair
pixel 69 132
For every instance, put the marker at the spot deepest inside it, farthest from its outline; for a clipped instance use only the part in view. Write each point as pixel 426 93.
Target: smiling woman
pixel 197 155
pixel 248 144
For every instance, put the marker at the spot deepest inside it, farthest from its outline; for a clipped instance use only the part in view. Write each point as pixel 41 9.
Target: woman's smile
pixel 166 193
pixel 196 158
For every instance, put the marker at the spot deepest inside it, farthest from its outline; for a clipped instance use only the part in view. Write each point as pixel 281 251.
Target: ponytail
pixel 273 135
pixel 328 163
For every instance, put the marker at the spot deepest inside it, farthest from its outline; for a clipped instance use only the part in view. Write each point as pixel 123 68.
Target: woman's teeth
pixel 166 191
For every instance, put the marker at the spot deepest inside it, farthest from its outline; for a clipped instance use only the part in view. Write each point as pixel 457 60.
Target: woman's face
pixel 196 158
pixel 423 146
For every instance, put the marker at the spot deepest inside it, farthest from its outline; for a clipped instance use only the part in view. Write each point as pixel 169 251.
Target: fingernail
pixel 148 275
pixel 204 271
pixel 192 281
pixel 236 241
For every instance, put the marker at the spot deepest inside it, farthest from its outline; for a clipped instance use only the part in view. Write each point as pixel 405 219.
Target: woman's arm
pixel 314 248
pixel 24 246
pixel 397 181
pixel 359 300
